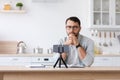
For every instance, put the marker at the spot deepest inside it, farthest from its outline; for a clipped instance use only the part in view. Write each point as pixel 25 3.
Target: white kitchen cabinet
pixel 26 60
pixel 19 61
pixel 42 60
pixel 49 60
pixel 105 14
pixel 106 61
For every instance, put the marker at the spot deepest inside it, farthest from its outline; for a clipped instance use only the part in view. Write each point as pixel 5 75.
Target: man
pixel 81 48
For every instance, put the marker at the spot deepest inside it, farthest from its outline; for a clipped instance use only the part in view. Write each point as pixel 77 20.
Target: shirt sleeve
pixel 89 58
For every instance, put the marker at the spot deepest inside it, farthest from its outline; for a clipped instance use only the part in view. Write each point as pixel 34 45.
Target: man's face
pixel 72 28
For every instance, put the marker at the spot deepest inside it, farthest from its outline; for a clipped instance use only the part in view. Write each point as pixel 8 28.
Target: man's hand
pixel 72 40
pixel 75 40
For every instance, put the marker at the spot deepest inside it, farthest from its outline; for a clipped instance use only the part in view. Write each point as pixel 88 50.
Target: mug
pixel 38 50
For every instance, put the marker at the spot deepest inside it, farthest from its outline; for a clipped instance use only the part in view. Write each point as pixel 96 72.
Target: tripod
pixel 59 60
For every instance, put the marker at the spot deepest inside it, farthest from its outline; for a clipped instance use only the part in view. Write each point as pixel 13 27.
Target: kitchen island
pixel 88 73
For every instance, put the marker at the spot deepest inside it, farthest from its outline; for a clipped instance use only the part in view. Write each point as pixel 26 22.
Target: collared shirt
pixel 73 55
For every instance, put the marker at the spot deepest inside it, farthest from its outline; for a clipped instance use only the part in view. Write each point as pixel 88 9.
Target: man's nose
pixel 72 29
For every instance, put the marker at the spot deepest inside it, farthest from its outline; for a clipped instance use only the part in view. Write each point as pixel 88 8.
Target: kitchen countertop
pixel 51 69
pixel 25 55
pixel 88 73
pixel 43 54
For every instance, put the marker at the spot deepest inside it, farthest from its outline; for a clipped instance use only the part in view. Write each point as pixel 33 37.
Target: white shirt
pixel 73 55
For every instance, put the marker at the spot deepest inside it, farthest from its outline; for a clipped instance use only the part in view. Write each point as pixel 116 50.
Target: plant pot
pixel 19 8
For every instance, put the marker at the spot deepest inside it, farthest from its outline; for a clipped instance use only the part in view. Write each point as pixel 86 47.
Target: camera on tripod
pixel 60 49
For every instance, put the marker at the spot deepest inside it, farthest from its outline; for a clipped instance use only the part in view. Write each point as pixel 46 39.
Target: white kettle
pixel 21 46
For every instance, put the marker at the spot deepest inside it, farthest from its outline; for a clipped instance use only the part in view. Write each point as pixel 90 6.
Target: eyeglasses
pixel 72 27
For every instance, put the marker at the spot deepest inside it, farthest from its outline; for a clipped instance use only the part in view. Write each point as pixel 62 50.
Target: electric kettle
pixel 21 46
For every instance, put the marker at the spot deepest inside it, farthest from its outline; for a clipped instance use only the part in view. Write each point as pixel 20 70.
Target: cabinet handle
pixel 15 59
pixel 105 59
pixel 38 59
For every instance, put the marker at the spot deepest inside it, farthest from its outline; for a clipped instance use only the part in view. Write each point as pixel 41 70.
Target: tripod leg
pixel 64 62
pixel 56 62
pixel 60 62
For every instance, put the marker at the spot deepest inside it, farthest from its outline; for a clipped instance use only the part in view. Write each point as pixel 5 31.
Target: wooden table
pixel 88 73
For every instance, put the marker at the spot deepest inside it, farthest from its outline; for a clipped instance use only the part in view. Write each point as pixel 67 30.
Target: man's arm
pixel 86 55
pixel 82 52
pixel 64 56
pixel 89 57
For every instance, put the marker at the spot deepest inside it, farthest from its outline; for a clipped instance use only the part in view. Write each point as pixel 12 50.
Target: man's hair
pixel 73 18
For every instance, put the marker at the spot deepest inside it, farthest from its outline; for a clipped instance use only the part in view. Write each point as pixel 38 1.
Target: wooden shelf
pixel 116 29
pixel 12 11
pixel 107 55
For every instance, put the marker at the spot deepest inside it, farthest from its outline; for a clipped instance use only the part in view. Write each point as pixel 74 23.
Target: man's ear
pixel 80 28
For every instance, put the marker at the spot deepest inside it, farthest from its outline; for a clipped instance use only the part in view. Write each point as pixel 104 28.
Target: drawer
pixel 103 61
pixel 11 61
pixel 42 59
pixel 48 61
pixel 20 59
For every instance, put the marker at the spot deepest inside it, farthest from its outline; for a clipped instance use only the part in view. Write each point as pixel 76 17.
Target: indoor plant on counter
pixel 19 5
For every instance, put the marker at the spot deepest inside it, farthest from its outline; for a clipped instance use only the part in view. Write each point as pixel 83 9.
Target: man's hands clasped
pixel 72 40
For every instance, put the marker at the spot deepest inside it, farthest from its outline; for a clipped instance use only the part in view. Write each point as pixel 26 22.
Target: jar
pixel 7 6
pixel 38 50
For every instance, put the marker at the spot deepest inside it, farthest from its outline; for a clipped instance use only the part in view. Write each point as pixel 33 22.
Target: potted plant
pixel 19 5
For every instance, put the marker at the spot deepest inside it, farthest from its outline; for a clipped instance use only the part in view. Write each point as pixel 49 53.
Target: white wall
pixel 43 23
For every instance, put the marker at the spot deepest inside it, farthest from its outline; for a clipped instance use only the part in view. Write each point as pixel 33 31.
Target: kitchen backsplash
pixel 106 42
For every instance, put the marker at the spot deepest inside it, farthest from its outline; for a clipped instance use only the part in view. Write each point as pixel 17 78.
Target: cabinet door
pixel 5 61
pixel 117 12
pixel 20 61
pixel 14 61
pixel 115 61
pixel 102 61
pixel 106 13
pixel 106 61
pixel 101 12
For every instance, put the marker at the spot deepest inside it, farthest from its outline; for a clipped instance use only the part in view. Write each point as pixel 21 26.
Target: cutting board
pixel 8 47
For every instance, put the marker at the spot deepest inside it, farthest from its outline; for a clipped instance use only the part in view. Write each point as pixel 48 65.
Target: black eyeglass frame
pixel 72 27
